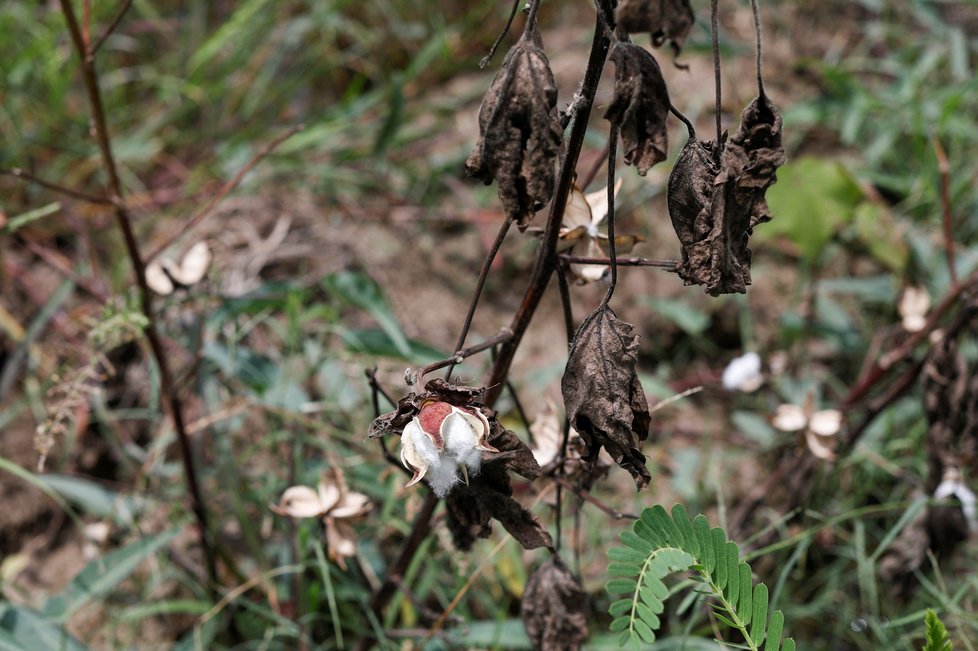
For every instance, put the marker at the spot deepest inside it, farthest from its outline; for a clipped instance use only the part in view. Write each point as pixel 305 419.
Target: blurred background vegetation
pixel 367 238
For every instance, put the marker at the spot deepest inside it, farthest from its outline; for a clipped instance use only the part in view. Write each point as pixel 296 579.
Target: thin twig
pixel 18 173
pixel 755 7
pixel 168 390
pixel 503 335
pixel 715 29
pixel 668 265
pixel 685 120
pixel 612 248
pixel 499 39
pixel 946 218
pixel 591 499
pixel 479 286
pixel 224 191
pixel 111 28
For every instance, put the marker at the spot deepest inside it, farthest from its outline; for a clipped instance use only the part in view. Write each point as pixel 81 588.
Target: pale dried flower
pixel 579 234
pixel 165 274
pixel 913 307
pixel 819 427
pixel 332 502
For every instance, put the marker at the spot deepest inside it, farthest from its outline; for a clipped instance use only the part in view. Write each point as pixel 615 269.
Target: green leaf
pixel 647 616
pixel 620 607
pixel 774 629
pixel 644 631
pixel 626 555
pixel 621 623
pixel 649 533
pixel 624 569
pixel 636 542
pixel 681 517
pixel 360 290
pixel 692 321
pixel 95 499
pixel 653 594
pixel 702 528
pixel 103 574
pixel 22 629
pixel 719 541
pixel 936 636
pixel 812 200
pixel 760 612
pixel 620 586
pixel 746 581
pixel 732 589
pixel 789 645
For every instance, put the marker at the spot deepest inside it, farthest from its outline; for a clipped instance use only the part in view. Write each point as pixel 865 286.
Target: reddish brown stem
pixel 668 265
pixel 947 220
pixel 18 173
pixel 167 387
pixel 546 260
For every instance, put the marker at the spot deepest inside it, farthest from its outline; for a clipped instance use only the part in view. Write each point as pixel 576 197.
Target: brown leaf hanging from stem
pixel 716 192
pixel 519 135
pixel 640 106
pixel 554 608
pixel 665 20
pixel 603 397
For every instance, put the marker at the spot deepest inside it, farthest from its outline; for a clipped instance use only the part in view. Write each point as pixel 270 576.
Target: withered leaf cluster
pixel 640 106
pixel 488 494
pixel 951 403
pixel 519 132
pixel 665 20
pixel 603 397
pixel 554 608
pixel 716 198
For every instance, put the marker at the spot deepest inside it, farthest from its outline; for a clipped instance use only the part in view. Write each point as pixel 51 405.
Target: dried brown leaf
pixel 665 20
pixel 951 403
pixel 555 608
pixel 519 134
pixel 603 397
pixel 716 198
pixel 640 106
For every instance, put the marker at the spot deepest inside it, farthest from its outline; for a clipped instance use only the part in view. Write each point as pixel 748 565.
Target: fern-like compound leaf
pixel 663 542
pixel 936 636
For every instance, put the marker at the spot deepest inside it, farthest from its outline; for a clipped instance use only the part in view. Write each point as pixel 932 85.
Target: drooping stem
pixel 612 153
pixel 479 286
pixel 499 39
pixel 755 7
pixel 546 260
pixel 531 17
pixel 168 388
pixel 715 30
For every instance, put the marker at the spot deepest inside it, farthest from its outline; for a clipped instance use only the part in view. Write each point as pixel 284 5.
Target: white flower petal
pixel 826 422
pixel 157 279
pixel 598 201
pixel 820 447
pixel 589 273
pixel 789 418
pixel 577 212
pixel 193 266
pixel 743 373
pixel 352 505
pixel 300 502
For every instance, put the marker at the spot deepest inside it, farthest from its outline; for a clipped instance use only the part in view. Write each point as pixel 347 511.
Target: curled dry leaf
pixel 665 20
pixel 554 608
pixel 548 437
pixel 519 135
pixel 165 274
pixel 716 198
pixel 951 403
pixel 603 397
pixel 489 495
pixel 640 106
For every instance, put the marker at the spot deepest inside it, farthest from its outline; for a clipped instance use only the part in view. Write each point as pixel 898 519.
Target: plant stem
pixel 715 29
pixel 18 173
pixel 947 220
pixel 479 286
pixel 504 334
pixel 612 153
pixel 546 260
pixel 167 388
pixel 668 265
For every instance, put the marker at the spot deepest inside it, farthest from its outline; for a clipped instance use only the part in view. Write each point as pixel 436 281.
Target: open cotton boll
pixel 743 373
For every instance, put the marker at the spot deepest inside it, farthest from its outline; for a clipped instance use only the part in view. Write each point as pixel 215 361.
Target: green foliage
pixel 658 545
pixel 937 638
